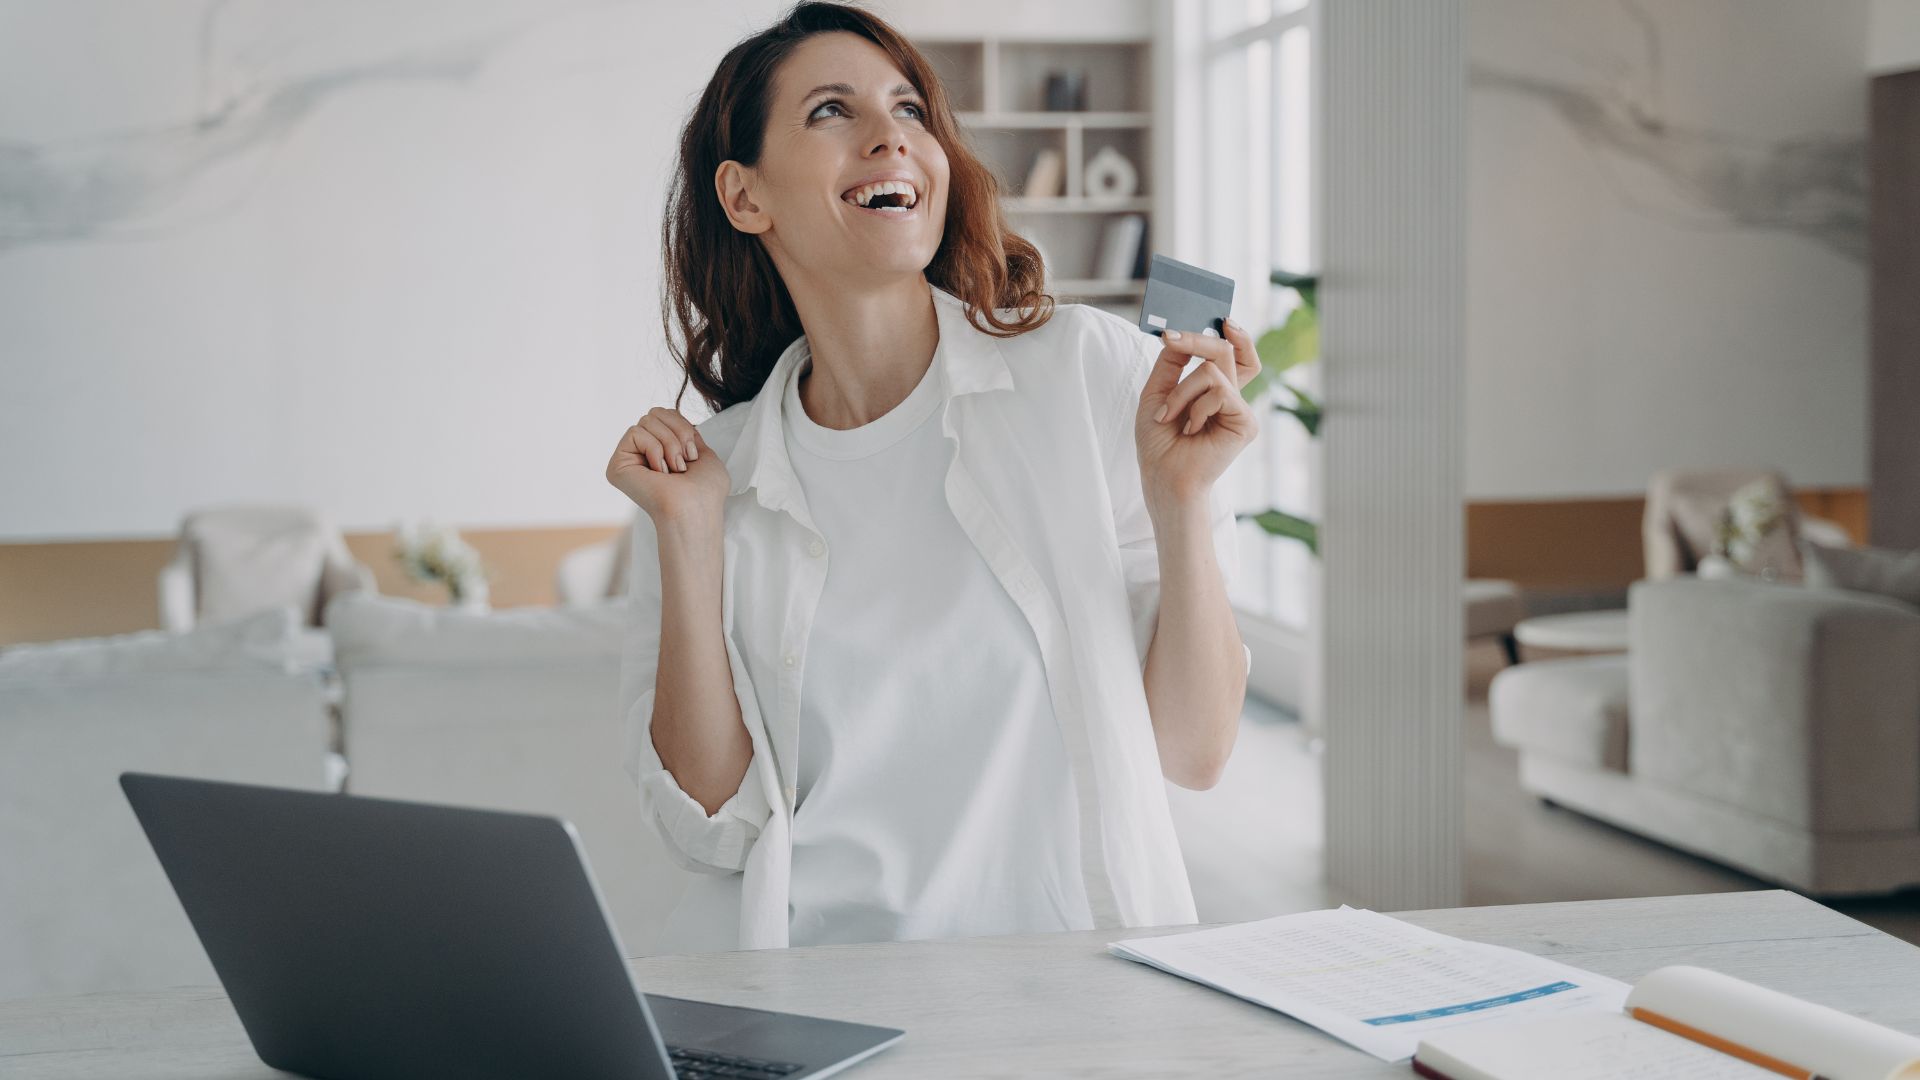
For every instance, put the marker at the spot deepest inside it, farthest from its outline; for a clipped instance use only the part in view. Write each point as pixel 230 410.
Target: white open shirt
pixel 1046 483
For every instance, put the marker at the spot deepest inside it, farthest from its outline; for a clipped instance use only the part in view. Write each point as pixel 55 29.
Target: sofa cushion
pixel 246 560
pixel 1493 606
pixel 1573 710
pixel 1882 571
pixel 264 640
pixel 370 630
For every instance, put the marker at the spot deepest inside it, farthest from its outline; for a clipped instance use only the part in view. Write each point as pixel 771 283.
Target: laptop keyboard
pixel 706 1065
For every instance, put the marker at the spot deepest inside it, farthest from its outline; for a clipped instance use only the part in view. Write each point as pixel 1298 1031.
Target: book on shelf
pixel 1679 1022
pixel 1046 177
pixel 1120 248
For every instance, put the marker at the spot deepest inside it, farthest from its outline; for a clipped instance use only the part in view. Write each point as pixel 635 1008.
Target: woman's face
pixel 842 118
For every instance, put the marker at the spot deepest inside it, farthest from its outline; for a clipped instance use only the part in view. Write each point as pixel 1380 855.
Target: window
pixel 1254 105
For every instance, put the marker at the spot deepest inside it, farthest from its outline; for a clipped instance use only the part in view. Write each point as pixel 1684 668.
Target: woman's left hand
pixel 1189 430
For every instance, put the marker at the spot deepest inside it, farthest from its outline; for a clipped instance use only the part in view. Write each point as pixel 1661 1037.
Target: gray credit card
pixel 1184 297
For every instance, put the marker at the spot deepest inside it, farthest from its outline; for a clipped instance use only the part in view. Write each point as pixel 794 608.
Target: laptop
pixel 368 938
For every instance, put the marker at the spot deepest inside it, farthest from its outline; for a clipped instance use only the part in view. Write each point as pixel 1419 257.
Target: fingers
pixel 1204 378
pixel 1165 374
pixel 674 449
pixel 652 451
pixel 1217 351
pixel 1246 358
pixel 1211 401
pixel 683 432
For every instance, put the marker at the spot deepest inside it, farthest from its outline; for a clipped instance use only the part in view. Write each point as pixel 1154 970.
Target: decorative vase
pixel 470 597
pixel 1109 175
pixel 1717 568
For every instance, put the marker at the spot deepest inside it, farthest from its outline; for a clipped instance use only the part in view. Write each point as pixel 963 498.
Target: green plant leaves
pixel 1304 409
pixel 1307 285
pixel 1294 342
pixel 1281 523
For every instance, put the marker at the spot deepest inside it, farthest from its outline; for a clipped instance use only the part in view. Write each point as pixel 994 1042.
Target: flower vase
pixel 1717 568
pixel 471 599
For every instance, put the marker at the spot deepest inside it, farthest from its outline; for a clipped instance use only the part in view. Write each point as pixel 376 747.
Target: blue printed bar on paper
pixel 1472 1006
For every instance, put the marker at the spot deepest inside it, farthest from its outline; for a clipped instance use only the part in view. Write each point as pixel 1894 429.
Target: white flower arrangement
pixel 1752 514
pixel 435 553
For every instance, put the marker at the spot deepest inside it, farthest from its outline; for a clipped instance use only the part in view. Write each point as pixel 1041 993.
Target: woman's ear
pixel 730 183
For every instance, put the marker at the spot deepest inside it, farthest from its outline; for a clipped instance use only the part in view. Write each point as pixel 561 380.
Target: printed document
pixel 1372 981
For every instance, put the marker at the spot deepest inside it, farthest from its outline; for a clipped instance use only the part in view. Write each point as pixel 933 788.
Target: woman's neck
pixel 870 349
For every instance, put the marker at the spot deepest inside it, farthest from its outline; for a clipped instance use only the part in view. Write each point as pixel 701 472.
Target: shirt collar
pixel 968 360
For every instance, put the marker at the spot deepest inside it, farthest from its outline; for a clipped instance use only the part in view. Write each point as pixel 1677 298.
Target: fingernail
pixel 1161 415
pixel 1231 325
pixel 1172 335
pixel 693 452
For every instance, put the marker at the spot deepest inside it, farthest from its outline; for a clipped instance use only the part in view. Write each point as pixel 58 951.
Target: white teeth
pixel 862 196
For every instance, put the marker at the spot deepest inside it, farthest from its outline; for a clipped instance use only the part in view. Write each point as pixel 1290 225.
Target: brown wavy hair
pixel 727 314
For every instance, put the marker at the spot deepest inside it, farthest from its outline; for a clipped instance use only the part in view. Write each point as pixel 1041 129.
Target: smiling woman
pixel 765 134
pixel 927 610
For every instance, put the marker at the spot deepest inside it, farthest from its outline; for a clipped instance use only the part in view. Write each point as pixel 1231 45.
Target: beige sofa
pixel 84 905
pixel 1770 727
pixel 513 710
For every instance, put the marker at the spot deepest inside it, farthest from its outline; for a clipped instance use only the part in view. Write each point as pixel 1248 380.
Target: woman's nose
pixel 891 136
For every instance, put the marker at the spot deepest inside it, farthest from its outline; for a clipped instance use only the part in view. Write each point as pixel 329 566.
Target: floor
pixel 1253 842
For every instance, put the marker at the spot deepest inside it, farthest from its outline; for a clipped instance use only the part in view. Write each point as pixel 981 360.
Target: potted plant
pixel 1294 342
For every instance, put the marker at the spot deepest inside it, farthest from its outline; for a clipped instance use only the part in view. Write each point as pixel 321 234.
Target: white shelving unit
pixel 998 88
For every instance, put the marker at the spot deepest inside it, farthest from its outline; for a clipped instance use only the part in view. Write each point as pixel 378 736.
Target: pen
pixel 1733 1049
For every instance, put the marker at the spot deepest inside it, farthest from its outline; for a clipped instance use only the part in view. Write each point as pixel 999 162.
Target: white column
pixel 1393 143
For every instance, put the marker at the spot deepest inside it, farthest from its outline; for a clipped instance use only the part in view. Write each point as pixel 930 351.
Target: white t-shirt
pixel 935 797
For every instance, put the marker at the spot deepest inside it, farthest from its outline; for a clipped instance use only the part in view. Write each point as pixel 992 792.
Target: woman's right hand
pixel 668 470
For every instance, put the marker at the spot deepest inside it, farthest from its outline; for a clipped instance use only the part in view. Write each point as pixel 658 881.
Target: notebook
pixel 1680 1023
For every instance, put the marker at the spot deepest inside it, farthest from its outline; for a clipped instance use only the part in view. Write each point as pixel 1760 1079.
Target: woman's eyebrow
pixel 903 90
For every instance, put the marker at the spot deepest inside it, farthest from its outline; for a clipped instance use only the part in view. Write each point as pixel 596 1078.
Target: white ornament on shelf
pixel 1109 175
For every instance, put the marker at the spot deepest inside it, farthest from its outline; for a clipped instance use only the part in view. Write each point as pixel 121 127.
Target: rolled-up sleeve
pixel 714 843
pixel 1137 352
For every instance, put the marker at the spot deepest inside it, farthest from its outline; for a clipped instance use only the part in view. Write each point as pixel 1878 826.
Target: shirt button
pixel 792 792
pixel 789 660
pixel 816 549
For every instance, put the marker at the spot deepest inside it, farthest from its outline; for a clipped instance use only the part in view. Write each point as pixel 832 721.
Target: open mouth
pixel 886 197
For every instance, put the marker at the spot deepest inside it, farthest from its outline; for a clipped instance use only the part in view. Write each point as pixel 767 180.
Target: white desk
pixel 1059 1005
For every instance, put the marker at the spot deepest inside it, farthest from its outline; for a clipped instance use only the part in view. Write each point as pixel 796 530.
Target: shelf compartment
pixel 1074 287
pixel 1061 204
pixel 1116 73
pixel 1071 244
pixel 1044 119
pixel 961 66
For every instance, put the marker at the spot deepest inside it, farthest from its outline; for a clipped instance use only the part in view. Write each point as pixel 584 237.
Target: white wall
pixel 1666 243
pixel 1894 36
pixel 390 260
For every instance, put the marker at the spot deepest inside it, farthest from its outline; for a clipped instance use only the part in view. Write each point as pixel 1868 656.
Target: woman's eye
pixel 919 111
